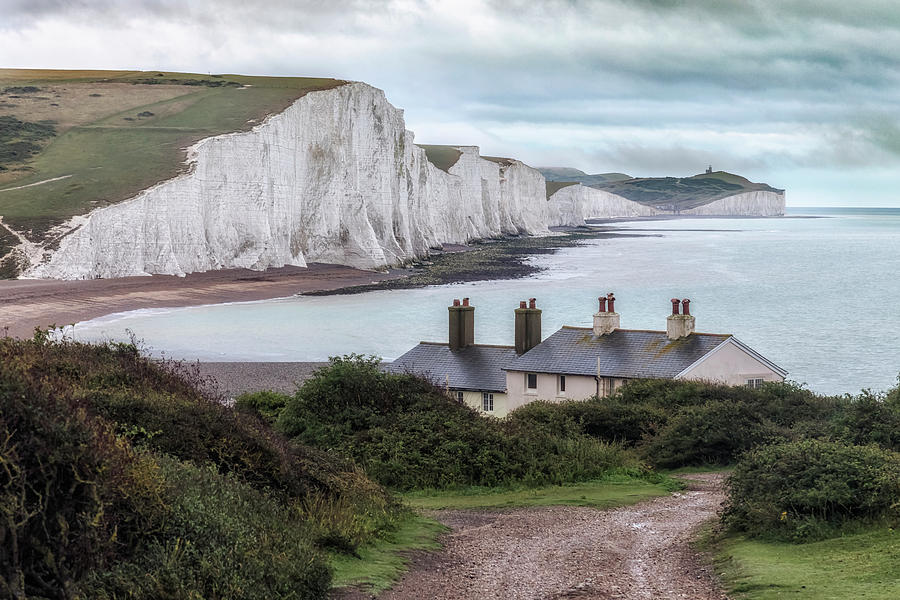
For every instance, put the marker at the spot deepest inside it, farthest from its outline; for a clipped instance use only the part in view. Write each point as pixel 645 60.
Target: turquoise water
pixel 818 296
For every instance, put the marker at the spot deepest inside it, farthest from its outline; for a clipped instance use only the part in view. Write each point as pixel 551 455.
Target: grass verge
pixel 379 565
pixel 860 565
pixel 609 492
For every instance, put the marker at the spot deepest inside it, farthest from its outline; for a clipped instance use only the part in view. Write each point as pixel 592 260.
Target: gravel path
pixel 635 552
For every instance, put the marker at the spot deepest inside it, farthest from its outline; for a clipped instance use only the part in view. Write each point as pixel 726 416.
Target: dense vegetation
pixel 126 478
pixel 121 478
pixel 806 465
pixel 406 434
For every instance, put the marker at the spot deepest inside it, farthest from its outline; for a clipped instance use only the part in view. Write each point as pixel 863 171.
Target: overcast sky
pixel 800 94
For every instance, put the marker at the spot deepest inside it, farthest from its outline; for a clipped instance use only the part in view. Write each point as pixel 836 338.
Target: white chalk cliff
pixel 571 205
pixel 757 203
pixel 335 178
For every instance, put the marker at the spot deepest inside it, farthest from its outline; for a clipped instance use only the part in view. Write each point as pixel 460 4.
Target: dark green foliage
pixel 407 434
pixel 94 514
pixel 683 423
pixel 223 540
pixel 266 404
pixel 21 89
pixel 194 82
pixel 19 140
pixel 73 497
pixel 805 490
pixel 145 113
pixel 870 419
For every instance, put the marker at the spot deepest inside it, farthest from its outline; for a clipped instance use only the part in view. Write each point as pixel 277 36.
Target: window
pixel 531 381
pixel 487 402
pixel 459 397
pixel 755 383
pixel 562 384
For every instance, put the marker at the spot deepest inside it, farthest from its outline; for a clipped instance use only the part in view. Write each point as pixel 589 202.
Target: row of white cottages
pixel 576 363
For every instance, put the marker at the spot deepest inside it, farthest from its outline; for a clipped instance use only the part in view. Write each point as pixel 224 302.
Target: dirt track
pixel 635 552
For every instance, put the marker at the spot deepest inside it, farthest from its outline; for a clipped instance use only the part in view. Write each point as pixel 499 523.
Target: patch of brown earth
pixel 635 552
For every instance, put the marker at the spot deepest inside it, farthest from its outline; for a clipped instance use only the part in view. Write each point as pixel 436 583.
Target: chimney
pixel 528 326
pixel 462 324
pixel 606 320
pixel 680 325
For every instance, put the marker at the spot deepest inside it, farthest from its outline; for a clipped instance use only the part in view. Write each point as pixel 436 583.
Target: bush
pixel 223 540
pixel 73 496
pixel 84 510
pixel 714 433
pixel 407 434
pixel 805 490
pixel 683 423
pixel 869 418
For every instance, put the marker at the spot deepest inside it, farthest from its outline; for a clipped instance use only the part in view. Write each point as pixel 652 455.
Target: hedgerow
pixel 407 434
pixel 808 489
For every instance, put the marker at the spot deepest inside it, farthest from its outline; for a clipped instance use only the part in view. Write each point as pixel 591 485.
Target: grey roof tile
pixel 476 368
pixel 621 353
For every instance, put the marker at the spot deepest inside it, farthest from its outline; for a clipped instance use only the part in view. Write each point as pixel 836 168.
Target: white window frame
pixel 529 389
pixel 487 402
pixel 755 383
pixel 460 396
pixel 561 385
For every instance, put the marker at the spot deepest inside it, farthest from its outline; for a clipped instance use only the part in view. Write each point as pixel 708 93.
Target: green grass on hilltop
pixel 683 193
pixel 128 134
pixel 443 157
pixel 861 565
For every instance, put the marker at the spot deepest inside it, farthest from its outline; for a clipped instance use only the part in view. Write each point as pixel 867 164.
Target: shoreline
pixel 26 304
pixel 29 303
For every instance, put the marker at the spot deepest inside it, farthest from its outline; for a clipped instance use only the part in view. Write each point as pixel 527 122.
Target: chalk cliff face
pixel 757 204
pixel 334 178
pixel 571 205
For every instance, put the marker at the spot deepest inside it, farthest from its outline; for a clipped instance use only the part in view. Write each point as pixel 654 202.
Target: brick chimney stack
pixel 680 325
pixel 606 320
pixel 528 326
pixel 462 324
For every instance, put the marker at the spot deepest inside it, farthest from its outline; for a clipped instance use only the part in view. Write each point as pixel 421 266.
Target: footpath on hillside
pixel 635 552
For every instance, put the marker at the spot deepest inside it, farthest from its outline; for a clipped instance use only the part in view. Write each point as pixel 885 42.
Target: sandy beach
pixel 26 304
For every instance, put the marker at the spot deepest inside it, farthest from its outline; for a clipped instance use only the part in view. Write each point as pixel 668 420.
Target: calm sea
pixel 818 296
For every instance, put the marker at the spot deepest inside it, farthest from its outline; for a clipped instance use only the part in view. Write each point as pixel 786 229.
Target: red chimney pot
pixel 602 300
pixel 456 302
pixel 685 306
pixel 612 300
pixel 532 303
pixel 465 301
pixel 675 303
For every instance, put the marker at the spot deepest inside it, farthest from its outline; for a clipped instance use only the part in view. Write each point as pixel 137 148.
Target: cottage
pixel 576 363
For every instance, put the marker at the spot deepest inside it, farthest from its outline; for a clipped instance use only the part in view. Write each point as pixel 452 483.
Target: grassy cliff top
pixel 441 156
pixel 570 175
pixel 681 193
pixel 72 141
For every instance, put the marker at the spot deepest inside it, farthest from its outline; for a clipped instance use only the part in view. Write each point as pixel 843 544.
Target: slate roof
pixel 623 353
pixel 475 368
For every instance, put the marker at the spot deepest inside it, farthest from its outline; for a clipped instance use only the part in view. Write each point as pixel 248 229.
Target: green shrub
pixel 223 540
pixel 73 496
pixel 714 433
pixel 869 418
pixel 610 419
pixel 407 434
pixel 266 404
pixel 805 490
